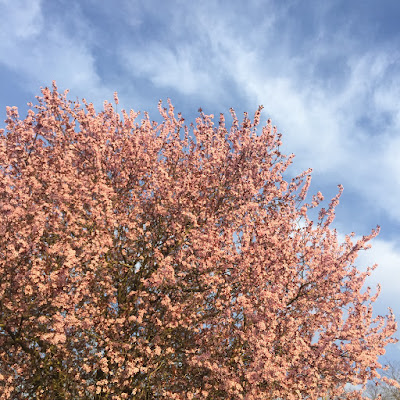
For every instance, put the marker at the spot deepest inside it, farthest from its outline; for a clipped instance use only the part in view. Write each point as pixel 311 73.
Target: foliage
pixel 159 261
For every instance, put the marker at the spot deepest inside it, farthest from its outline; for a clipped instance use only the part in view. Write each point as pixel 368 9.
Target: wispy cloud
pixel 40 49
pixel 169 68
pixel 22 22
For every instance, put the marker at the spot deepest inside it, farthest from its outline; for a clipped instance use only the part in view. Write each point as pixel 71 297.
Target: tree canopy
pixel 144 260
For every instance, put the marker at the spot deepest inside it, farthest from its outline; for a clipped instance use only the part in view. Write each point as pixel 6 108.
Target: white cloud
pixel 42 51
pixel 170 68
pixel 20 21
pixel 387 255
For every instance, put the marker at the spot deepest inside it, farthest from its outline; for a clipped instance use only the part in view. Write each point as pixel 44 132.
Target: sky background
pixel 326 72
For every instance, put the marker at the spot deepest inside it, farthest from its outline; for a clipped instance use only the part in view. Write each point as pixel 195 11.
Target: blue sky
pixel 327 73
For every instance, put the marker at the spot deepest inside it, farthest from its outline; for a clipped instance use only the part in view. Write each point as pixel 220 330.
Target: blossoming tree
pixel 159 261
